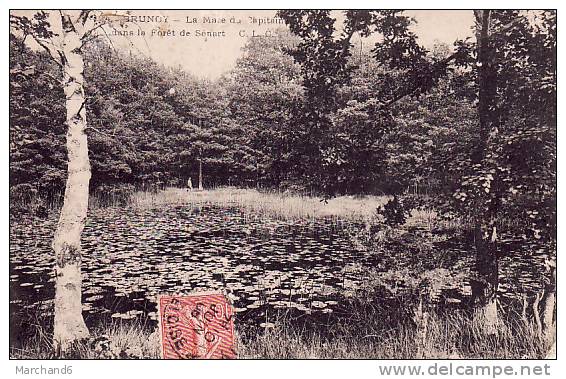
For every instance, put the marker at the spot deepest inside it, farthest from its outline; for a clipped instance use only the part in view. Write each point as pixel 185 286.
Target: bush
pixel 393 212
pixel 52 181
pixel 22 194
pixel 113 194
pixel 26 199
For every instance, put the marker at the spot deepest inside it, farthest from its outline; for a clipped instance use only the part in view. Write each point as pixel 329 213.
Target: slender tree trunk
pixel 421 319
pixel 487 83
pixel 200 174
pixel 548 306
pixel 69 324
pixel 536 313
pixel 484 289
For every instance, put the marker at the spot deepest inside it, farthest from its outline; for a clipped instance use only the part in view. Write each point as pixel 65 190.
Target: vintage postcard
pixel 282 184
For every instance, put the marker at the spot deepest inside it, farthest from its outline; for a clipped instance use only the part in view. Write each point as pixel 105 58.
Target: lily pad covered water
pixel 132 255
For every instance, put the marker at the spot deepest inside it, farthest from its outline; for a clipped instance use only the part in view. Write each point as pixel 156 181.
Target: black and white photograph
pixel 293 184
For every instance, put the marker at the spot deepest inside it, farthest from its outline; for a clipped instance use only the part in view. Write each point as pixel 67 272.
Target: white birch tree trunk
pixel 69 325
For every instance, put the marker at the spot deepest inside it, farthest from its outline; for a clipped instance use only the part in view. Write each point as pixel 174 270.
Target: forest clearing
pixel 352 189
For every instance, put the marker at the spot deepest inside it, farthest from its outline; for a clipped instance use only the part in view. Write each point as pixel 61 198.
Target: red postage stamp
pixel 200 325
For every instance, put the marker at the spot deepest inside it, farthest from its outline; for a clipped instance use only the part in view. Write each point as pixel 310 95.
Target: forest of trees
pixel 151 125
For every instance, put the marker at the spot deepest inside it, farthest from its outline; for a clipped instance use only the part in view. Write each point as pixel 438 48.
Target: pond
pixel 133 255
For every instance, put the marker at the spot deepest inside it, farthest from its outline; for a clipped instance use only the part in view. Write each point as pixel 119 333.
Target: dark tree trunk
pixel 200 174
pixel 484 287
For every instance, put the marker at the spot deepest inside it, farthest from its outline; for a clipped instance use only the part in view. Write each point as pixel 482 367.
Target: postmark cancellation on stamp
pixel 199 325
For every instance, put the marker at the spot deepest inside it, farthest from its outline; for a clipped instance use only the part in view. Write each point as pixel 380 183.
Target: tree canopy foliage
pixel 306 109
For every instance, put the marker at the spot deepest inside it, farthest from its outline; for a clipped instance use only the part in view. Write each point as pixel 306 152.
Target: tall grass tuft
pixel 451 336
pixel 279 205
pixel 116 340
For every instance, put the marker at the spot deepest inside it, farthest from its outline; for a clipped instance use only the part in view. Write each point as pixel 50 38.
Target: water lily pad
pixel 318 304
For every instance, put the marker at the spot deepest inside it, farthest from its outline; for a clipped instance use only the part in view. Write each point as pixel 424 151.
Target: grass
pixel 117 340
pixel 451 336
pixel 279 205
pixel 363 335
